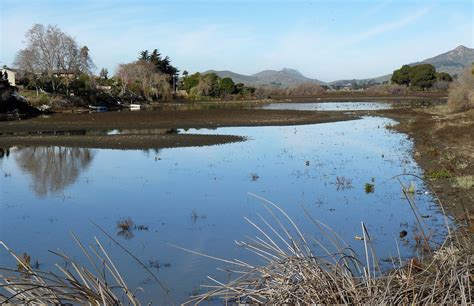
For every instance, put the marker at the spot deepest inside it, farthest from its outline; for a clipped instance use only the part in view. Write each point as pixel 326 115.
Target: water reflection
pixel 53 168
pixel 4 152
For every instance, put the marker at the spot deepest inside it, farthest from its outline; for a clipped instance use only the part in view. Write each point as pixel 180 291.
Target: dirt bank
pixel 50 130
pixel 210 118
pixel 120 141
pixel 444 148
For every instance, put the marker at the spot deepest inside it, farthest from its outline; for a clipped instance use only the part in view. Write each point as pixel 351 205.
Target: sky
pixel 327 40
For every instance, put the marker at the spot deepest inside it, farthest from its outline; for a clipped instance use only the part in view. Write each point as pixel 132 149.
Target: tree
pixel 226 87
pixel 142 78
pixel 104 74
pixel 422 76
pixel 163 65
pixel 191 81
pixel 443 76
pixel 185 73
pixel 401 76
pixel 51 54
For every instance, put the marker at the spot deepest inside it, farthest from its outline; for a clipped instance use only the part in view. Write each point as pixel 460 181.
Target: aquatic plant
pixel 369 188
pixel 125 224
pixel 294 272
pixel 101 284
pixel 343 183
pixel 439 174
pixel 254 177
pixel 297 269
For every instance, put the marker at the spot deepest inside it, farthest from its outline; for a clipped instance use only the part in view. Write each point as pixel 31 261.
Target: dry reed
pixel 292 274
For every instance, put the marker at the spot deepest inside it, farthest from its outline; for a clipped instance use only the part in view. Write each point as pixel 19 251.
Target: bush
pixel 44 99
pixel 461 92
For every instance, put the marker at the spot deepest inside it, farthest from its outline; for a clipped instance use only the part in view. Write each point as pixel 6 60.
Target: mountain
pixel 452 62
pixel 282 78
pixel 236 77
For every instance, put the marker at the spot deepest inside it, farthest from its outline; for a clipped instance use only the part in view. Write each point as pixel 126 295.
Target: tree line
pixel 422 76
pixel 53 62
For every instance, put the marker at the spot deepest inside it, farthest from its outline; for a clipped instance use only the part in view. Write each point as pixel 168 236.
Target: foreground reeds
pixel 293 274
pixel 297 269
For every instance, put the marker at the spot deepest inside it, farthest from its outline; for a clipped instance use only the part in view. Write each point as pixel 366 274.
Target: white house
pixel 11 75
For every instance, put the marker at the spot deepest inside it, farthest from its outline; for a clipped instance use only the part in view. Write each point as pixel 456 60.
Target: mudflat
pixel 444 148
pixel 56 129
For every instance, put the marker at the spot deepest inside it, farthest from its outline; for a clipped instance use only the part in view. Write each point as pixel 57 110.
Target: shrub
pixel 461 92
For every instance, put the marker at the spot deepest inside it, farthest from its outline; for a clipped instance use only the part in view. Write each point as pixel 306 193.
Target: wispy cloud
pixel 388 26
pixel 376 8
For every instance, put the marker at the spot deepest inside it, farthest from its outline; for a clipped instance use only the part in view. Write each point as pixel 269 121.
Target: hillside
pixel 282 78
pixel 236 77
pixel 452 62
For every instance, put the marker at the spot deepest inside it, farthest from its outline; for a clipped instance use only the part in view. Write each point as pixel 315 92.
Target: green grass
pixel 438 174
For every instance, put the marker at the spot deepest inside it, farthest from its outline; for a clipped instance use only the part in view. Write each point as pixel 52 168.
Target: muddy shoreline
pixel 50 130
pixel 443 144
pixel 123 142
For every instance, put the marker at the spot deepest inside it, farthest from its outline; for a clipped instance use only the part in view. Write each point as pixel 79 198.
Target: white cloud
pixel 387 27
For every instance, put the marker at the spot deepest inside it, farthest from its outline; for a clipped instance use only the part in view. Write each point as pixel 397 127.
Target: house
pixel 11 75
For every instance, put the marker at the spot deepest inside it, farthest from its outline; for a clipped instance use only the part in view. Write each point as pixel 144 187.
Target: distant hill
pixel 236 77
pixel 452 62
pixel 282 78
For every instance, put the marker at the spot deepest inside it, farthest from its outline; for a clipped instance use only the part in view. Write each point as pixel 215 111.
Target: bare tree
pixel 141 77
pixel 27 61
pixel 51 53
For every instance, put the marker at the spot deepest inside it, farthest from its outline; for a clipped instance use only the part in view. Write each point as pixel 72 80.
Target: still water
pixel 330 106
pixel 197 197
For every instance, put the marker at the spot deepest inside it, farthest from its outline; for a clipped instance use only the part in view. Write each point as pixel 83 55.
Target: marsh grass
pixel 295 272
pixel 297 269
pixel 95 281
pixel 103 284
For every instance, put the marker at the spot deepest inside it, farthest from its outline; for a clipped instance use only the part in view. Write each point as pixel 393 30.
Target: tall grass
pixel 100 284
pixel 103 284
pixel 294 274
pixel 297 269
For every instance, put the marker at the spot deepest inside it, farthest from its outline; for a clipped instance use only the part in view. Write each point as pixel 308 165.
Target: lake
pixel 198 197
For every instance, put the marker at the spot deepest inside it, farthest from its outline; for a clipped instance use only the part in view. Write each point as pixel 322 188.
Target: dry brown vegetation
pixel 302 90
pixel 299 269
pixel 142 78
pixel 461 92
pixel 295 274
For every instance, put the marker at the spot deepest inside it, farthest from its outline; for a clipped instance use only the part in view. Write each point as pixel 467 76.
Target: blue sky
pixel 327 40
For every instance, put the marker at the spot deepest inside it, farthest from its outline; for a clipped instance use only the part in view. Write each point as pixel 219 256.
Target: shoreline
pixel 57 129
pixel 444 149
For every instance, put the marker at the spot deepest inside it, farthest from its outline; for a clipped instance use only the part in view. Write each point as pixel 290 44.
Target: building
pixel 11 75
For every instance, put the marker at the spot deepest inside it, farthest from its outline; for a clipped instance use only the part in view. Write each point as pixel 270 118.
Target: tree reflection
pixel 53 168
